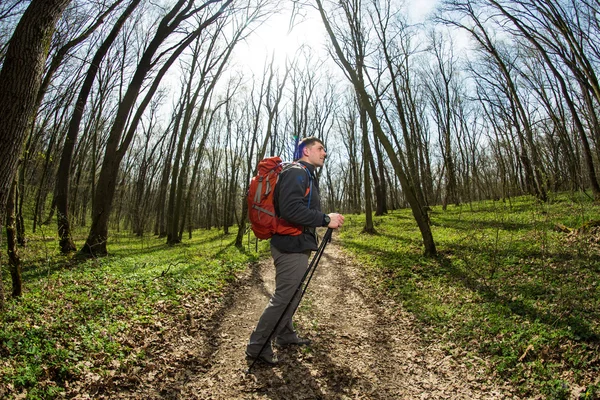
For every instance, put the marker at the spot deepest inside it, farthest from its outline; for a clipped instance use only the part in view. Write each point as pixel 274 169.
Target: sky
pixel 273 36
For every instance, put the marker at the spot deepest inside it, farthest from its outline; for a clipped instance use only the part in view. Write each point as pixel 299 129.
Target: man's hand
pixel 336 220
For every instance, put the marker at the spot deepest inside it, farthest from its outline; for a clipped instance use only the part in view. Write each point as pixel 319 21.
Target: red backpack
pixel 261 211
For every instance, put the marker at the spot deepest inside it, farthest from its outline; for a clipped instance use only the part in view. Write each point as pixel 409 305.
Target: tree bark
pixel 20 79
pixel 379 181
pixel 163 187
pixel 11 239
pixel 368 159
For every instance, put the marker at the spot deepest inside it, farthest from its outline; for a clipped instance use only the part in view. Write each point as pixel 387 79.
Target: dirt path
pixel 363 348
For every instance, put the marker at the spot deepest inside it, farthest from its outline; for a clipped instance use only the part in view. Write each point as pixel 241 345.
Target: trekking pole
pixel 326 239
pixel 312 266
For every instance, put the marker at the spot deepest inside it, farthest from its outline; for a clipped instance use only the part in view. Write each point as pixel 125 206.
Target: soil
pixel 364 346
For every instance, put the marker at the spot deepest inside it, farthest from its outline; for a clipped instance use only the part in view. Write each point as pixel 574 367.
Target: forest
pixel 133 127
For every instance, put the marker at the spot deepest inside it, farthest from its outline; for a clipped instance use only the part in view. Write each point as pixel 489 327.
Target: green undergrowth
pixel 79 319
pixel 507 284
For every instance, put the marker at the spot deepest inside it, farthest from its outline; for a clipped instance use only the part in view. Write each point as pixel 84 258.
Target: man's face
pixel 315 154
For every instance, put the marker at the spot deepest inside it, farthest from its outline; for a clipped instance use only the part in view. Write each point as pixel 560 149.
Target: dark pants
pixel 289 269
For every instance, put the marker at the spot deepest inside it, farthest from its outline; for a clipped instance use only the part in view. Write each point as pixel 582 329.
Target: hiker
pixel 297 202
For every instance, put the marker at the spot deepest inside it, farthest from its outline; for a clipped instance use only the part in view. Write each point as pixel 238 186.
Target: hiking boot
pixel 297 341
pixel 270 359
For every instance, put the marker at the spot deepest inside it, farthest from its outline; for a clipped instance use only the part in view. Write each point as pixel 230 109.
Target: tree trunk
pixel 219 61
pixel 378 179
pixel 19 85
pixel 172 225
pixel 42 190
pixel 163 187
pixel 143 182
pixel 20 221
pixel 11 239
pixel 368 158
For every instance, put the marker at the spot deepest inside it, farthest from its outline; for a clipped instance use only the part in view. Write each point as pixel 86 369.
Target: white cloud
pixel 419 9
pixel 273 36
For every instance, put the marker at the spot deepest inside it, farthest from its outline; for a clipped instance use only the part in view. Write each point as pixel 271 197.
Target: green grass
pixel 80 317
pixel 506 285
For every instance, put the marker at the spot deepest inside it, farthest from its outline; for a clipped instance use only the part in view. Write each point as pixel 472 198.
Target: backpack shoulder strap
pixel 310 180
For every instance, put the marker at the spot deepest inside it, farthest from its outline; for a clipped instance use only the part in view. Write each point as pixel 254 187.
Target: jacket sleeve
pixel 292 204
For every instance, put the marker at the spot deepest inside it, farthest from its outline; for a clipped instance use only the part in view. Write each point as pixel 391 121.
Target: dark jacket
pixel 292 205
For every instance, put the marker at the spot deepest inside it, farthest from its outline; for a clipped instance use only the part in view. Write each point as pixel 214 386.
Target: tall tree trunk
pixel 20 200
pixel 179 173
pixel 42 190
pixel 163 186
pixel 404 104
pixel 418 210
pixel 20 80
pixel 197 162
pixel 172 236
pixel 353 143
pixel 368 159
pixel 11 240
pixel 219 61
pixel 441 98
pixel 380 183
pixel 530 156
pixel 143 181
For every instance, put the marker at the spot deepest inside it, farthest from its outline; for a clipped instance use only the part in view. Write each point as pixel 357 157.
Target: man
pixel 291 253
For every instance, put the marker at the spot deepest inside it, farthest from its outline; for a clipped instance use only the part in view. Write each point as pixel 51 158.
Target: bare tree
pixel 542 25
pixel 417 207
pixel 160 226
pixel 216 58
pixel 530 156
pixel 200 150
pixel 252 113
pixel 378 171
pixel 400 111
pixel 440 84
pixel 56 134
pixel 233 162
pixel 63 49
pixel 118 143
pixel 349 127
pixel 367 160
pixel 179 170
pixel 63 177
pixel 147 168
pixel 10 11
